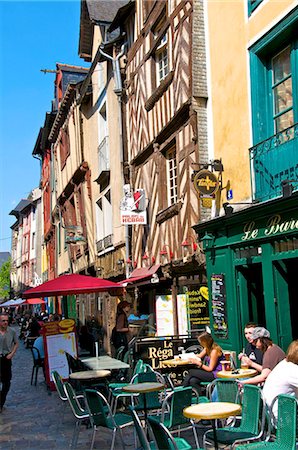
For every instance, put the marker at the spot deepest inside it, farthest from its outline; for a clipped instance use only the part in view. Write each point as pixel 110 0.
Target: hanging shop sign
pixel 206 183
pixel 219 306
pixel 133 207
pixel 74 235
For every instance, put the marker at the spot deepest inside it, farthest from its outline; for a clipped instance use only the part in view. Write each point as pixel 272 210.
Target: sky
pixel 33 36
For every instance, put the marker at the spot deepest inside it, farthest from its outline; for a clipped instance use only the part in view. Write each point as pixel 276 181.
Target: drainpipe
pixel 118 92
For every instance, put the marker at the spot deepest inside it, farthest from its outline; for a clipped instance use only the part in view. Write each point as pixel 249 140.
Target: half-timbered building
pixel 162 142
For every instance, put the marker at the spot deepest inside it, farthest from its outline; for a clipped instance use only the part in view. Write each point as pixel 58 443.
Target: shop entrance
pixel 286 271
pixel 250 294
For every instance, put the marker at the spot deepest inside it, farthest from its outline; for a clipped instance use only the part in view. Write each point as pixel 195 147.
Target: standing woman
pixel 208 362
pixel 121 330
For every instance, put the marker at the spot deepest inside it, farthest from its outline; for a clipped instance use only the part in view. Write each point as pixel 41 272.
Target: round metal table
pixel 212 411
pixel 235 374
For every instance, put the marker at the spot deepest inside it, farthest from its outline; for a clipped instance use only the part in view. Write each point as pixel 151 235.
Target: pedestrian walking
pixel 8 347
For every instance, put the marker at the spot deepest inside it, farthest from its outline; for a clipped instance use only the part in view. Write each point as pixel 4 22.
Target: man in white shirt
pixel 283 379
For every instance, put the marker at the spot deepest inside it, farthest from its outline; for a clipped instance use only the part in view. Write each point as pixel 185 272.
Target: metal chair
pixel 224 390
pixel 101 415
pixel 145 444
pixel 251 427
pixel 38 363
pixel 172 410
pixel 163 438
pixel 285 436
pixel 58 382
pixel 78 410
pixel 153 399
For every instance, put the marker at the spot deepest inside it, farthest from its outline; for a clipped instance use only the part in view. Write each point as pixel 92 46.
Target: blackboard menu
pixel 198 307
pixel 219 307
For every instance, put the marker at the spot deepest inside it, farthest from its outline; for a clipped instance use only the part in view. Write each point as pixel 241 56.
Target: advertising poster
pixel 164 315
pixel 59 337
pixel 182 314
pixel 198 307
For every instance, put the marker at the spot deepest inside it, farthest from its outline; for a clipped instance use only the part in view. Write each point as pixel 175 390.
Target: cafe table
pixel 235 374
pixel 104 363
pixel 144 388
pixel 87 375
pixel 176 362
pixel 212 411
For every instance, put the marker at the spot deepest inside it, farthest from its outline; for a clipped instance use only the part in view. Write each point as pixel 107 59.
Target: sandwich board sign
pixel 58 338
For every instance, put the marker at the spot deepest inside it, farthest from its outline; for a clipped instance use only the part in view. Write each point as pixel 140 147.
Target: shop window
pixel 247 252
pixel 286 246
pixel 172 179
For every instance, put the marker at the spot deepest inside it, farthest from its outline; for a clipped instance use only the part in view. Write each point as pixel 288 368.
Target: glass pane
pixel 283 98
pixel 281 65
pixel 284 121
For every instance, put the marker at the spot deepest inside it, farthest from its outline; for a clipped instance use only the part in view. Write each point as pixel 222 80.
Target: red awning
pixel 71 285
pixel 141 274
pixel 34 301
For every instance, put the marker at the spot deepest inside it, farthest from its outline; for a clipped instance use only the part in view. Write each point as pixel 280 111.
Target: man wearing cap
pixel 8 347
pixel 272 355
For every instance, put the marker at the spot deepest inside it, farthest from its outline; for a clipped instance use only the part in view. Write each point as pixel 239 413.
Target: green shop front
pixel 252 271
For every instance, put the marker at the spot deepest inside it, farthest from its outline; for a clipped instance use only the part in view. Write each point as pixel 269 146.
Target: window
pixel 274 80
pixel 33 241
pixel 104 217
pixel 64 147
pixel 162 59
pixel 252 4
pixel 282 90
pixel 171 176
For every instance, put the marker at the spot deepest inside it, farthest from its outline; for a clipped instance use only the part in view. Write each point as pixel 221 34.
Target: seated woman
pixel 284 377
pixel 272 355
pixel 208 362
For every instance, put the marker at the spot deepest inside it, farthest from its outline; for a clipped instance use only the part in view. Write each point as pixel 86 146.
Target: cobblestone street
pixel 35 418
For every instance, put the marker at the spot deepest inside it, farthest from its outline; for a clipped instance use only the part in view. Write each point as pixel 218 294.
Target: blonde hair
pixel 292 352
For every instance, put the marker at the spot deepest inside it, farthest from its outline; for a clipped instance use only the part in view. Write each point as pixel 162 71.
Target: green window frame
pixel 263 84
pixel 252 5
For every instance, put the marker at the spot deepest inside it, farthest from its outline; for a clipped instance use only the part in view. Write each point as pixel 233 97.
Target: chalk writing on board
pixel 219 311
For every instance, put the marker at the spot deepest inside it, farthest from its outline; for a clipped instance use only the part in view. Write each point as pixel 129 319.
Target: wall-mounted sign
pixel 219 307
pixel 206 183
pixel 74 235
pixel 133 207
pixel 275 225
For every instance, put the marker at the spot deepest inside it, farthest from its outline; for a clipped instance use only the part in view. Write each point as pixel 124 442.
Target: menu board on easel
pixel 58 338
pixel 219 306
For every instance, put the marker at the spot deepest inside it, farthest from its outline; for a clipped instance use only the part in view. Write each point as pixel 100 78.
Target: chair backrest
pixel 225 391
pixel 75 364
pixel 77 410
pixel 58 382
pixel 251 409
pixel 36 355
pixel 139 367
pixel 139 430
pixel 152 398
pixel 162 436
pixel 177 400
pixel 286 422
pixel 120 352
pixel 98 408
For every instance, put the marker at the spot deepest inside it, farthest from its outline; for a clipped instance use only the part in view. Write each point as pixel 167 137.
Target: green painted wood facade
pixel 256 252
